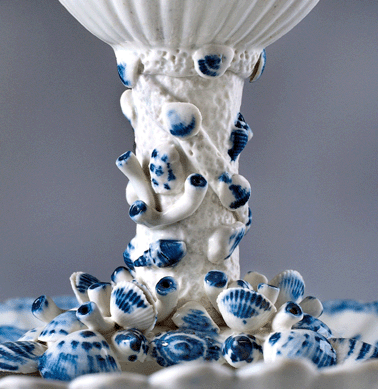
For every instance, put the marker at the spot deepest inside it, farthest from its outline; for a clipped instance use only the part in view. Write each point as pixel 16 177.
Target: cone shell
pixel 189 23
pixel 350 351
pixel 243 309
pixel 130 307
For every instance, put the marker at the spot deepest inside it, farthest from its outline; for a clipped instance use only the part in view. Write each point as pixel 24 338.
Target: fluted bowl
pixel 242 24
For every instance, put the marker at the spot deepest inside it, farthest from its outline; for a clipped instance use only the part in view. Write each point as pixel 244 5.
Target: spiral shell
pixel 242 349
pixel 130 345
pixel 174 347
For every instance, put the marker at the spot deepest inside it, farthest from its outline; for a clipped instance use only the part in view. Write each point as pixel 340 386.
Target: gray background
pixel 312 162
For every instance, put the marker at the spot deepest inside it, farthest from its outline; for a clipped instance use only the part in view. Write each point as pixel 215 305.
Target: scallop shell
pixel 61 326
pixel 312 323
pixel 300 344
pixel 174 347
pixel 350 351
pixel 130 345
pixel 80 282
pixel 291 286
pixel 130 307
pixel 20 356
pixel 60 361
pixel 242 349
pixel 244 310
pixel 188 23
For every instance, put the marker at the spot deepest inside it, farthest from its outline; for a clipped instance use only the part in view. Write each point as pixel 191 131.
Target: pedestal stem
pixel 193 214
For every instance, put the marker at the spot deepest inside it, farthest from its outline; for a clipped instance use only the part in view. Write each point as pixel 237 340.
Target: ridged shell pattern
pixel 130 307
pixel 243 309
pixel 20 356
pixel 82 352
pixel 197 338
pixel 180 23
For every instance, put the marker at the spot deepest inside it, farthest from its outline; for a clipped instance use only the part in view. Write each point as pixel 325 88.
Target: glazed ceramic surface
pixel 179 302
pixel 183 63
pixel 362 319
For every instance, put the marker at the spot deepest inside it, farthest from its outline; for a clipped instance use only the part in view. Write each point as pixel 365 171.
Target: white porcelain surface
pixel 283 374
pixel 179 23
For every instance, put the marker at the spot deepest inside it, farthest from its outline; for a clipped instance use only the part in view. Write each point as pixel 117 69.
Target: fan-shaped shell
pixel 130 307
pixel 188 23
pixel 20 356
pixel 291 286
pixel 301 344
pixel 60 361
pixel 243 309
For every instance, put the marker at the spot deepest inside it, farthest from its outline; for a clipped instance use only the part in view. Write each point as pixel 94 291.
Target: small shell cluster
pixel 124 322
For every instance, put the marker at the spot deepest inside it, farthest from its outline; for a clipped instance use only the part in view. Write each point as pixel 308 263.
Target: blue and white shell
pixel 20 356
pixel 174 347
pixel 244 310
pixel 300 344
pixel 193 316
pixel 291 286
pixel 61 326
pixel 212 60
pixel 82 352
pixel 130 345
pixel 350 351
pixel 80 282
pixel 162 253
pixel 313 324
pixel 166 171
pixel 130 307
pixel 242 349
